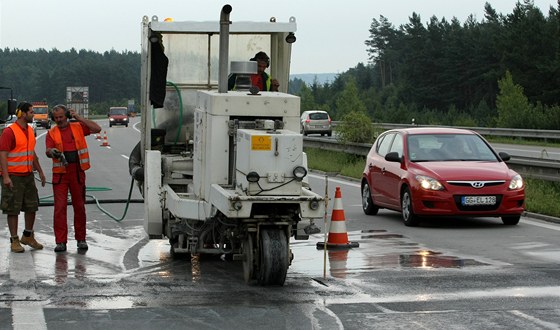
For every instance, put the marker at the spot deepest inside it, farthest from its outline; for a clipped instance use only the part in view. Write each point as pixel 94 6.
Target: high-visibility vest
pixel 81 146
pixel 267 82
pixel 20 159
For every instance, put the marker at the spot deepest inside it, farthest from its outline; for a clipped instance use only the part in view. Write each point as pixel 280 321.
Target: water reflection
pixel 61 267
pixel 195 267
pixel 338 263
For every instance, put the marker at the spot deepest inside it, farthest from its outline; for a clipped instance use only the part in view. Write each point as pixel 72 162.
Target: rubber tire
pixel 511 220
pixel 273 257
pixel 249 258
pixel 367 202
pixel 409 218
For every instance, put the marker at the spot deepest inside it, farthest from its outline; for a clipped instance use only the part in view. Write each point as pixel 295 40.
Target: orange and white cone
pixel 338 237
pixel 98 136
pixel 105 141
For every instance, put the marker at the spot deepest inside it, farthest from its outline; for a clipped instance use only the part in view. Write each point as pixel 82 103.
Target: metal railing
pixel 544 169
pixel 509 132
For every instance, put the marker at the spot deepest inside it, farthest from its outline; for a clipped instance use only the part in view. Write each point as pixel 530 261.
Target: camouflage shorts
pixel 22 198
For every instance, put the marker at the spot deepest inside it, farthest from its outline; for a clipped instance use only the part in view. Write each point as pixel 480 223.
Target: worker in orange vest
pixel 66 145
pixel 19 192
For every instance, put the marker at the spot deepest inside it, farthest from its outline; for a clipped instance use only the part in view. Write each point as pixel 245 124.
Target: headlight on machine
pixel 237 205
pixel 314 205
pixel 299 173
pixel 253 177
pixel 429 183
pixel 516 182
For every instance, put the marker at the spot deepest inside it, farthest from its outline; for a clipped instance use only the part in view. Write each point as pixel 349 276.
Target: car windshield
pixel 120 112
pixel 448 147
pixel 40 110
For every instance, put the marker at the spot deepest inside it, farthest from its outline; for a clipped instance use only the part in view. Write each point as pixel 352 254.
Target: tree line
pixel 503 71
pixel 40 75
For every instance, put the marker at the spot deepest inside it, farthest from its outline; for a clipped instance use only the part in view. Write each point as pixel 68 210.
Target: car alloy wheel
pixel 409 218
pixel 367 202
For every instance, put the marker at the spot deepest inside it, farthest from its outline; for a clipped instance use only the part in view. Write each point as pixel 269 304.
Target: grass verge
pixel 541 196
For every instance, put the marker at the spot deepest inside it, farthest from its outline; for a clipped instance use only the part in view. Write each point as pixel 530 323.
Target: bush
pixel 356 127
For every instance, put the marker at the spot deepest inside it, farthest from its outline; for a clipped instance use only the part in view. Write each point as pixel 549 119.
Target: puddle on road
pixel 378 250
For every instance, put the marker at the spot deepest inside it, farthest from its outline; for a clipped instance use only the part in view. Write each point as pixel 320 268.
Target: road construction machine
pixel 222 171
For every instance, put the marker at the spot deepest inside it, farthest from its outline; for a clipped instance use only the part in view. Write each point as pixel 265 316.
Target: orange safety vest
pixel 81 146
pixel 20 159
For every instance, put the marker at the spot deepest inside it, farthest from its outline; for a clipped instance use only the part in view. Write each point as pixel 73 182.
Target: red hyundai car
pixel 426 172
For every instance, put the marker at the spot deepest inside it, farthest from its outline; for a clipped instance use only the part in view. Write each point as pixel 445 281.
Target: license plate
pixel 478 200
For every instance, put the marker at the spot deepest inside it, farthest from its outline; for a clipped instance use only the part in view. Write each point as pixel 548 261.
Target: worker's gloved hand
pixel 55 153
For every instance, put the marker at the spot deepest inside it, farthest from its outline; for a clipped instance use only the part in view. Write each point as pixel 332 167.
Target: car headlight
pixel 429 183
pixel 111 119
pixel 516 182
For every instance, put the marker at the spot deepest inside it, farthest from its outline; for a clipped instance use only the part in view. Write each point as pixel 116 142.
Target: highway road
pixel 529 151
pixel 449 273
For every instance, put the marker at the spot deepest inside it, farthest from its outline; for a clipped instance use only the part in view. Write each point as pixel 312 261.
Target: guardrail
pixel 544 169
pixel 509 132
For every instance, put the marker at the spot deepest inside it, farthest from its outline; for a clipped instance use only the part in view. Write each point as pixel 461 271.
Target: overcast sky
pixel 330 34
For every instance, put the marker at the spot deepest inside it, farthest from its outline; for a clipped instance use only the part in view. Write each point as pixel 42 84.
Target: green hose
pixel 44 201
pixel 169 83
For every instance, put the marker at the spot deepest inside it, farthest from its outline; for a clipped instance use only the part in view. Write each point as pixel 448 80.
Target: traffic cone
pixel 98 136
pixel 338 237
pixel 105 141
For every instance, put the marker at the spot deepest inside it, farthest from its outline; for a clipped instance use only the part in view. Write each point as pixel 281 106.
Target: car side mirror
pixel 504 156
pixel 393 157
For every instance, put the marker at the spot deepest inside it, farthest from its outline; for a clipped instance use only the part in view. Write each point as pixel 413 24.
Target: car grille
pixel 475 208
pixel 476 184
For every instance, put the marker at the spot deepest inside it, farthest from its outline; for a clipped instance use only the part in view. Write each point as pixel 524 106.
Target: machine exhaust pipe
pixel 224 49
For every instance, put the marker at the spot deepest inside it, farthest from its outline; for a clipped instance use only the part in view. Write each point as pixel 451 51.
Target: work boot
pixel 82 245
pixel 60 247
pixel 15 246
pixel 30 240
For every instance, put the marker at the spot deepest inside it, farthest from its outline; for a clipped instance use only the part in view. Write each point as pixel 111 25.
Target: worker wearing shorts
pixel 17 162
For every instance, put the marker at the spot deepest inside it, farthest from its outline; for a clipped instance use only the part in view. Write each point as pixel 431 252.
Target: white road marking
pixel 535 320
pixel 25 314
pixel 540 224
pixel 340 181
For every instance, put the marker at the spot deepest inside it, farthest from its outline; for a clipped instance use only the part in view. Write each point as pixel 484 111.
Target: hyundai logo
pixel 477 185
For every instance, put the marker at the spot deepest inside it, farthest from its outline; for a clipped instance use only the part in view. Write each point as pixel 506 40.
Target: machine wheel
pixel 367 203
pixel 274 260
pixel 511 220
pixel 409 218
pixel 248 258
